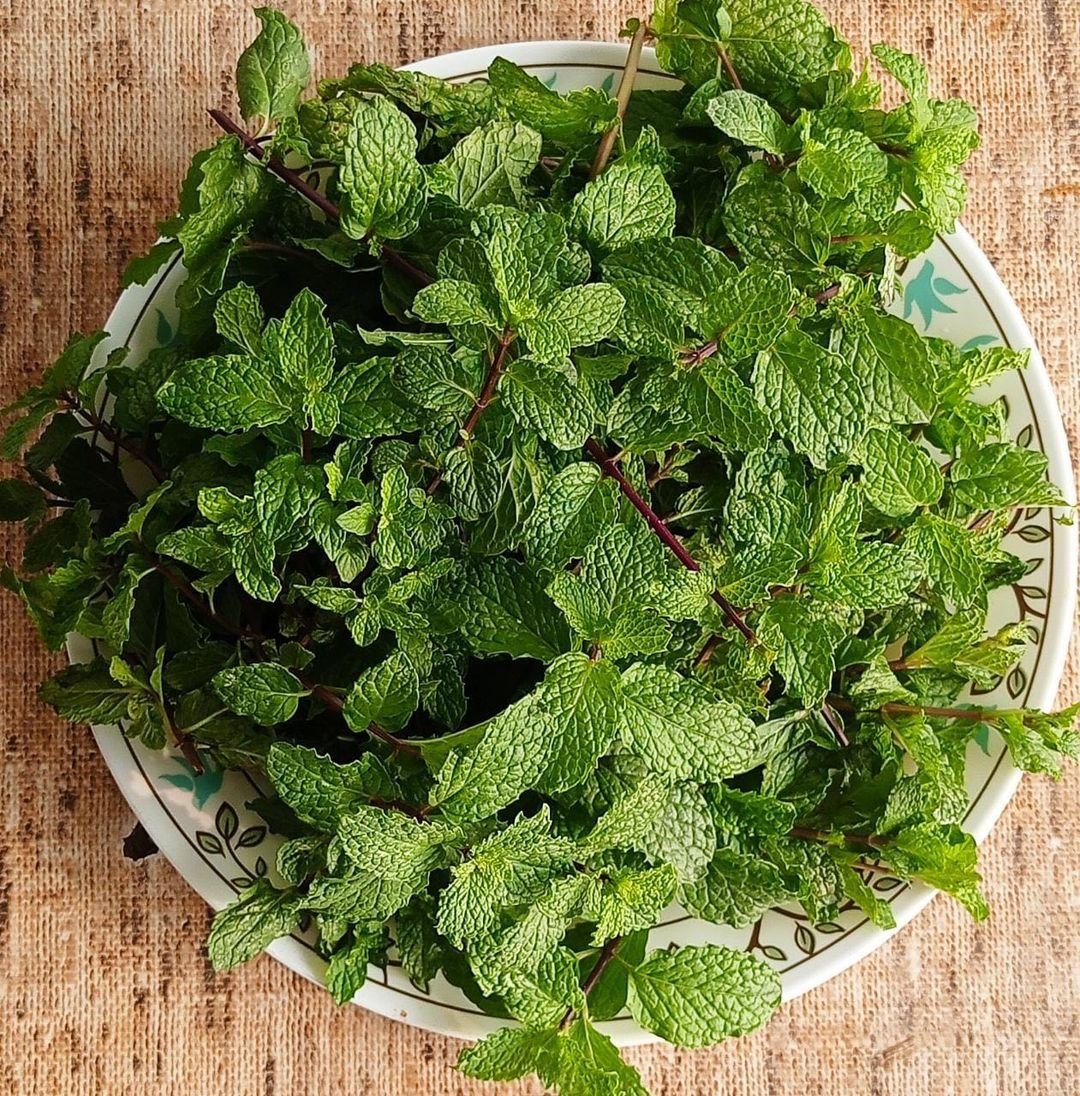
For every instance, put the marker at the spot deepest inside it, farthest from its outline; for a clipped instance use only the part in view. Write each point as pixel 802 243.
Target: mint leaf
pixel 1002 475
pixel 750 120
pixel 695 996
pixel 319 790
pixel 266 692
pixel 506 611
pixel 273 71
pixel 812 393
pixel 899 475
pixel 735 890
pixel 229 393
pixel 571 119
pixel 624 205
pixel 488 166
pixel 573 508
pixel 382 185
pixel 512 867
pixel 677 728
pixel 386 694
pixel 256 919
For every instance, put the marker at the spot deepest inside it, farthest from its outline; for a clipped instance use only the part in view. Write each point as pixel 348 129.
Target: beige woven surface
pixel 104 988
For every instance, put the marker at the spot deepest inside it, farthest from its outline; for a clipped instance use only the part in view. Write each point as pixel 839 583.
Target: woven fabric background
pixel 104 987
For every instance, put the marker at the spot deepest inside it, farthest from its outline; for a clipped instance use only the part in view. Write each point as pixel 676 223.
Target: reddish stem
pixel 329 699
pixel 610 467
pixel 487 394
pixel 317 199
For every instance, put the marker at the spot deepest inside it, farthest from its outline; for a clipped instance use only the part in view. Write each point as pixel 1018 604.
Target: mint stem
pixel 729 68
pixel 610 468
pixel 607 953
pixel 875 841
pixel 487 394
pixel 330 700
pixel 622 99
pixel 317 199
pixel 111 434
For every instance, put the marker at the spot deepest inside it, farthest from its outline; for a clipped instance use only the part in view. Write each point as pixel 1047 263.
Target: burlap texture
pixel 104 987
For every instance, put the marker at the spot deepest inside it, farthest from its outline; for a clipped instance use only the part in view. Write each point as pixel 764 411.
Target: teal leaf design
pixel 201 785
pixel 980 340
pixel 924 292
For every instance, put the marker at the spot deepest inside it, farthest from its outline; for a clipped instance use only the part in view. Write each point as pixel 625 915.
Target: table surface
pixel 104 985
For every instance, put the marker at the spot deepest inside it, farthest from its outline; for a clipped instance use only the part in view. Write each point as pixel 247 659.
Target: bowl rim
pixel 445 1019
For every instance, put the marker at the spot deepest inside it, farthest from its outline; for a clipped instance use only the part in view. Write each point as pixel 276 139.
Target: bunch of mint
pixel 537 490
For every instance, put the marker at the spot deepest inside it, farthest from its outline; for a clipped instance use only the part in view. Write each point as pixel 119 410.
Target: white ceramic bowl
pixel 219 846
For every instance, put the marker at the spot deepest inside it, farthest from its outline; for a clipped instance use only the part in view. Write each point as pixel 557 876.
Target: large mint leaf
pixel 813 397
pixel 678 728
pixel 382 185
pixel 273 71
pixel 696 996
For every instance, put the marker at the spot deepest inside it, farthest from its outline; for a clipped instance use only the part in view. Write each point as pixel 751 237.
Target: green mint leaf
pixel 505 611
pixel 419 947
pixel 750 120
pixel 256 919
pixel 597 601
pixel 543 398
pixel 769 222
pixel 508 1054
pixel 20 501
pixel 950 556
pixel 838 163
pixel 347 969
pixel 266 692
pixel 573 508
pixel 812 393
pixel 301 346
pixel 454 302
pixel 631 900
pixel 624 205
pixel 512 867
pixel 231 191
pixel 521 948
pixel 386 694
pixel 735 890
pixel 666 284
pixel 871 576
pixel 488 166
pixel 943 856
pixel 912 76
pixel 541 999
pixel 873 905
pixel 804 636
pixel 319 790
pixel 779 45
pixel 571 119
pixel 239 317
pixel 1002 475
pixel 898 475
pixel 402 851
pixel 696 996
pixel 86 693
pixel 229 393
pixel 892 365
pixel 679 729
pixel 273 71
pixel 411 525
pixel 588 1062
pixel 383 187
pixel 748 312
